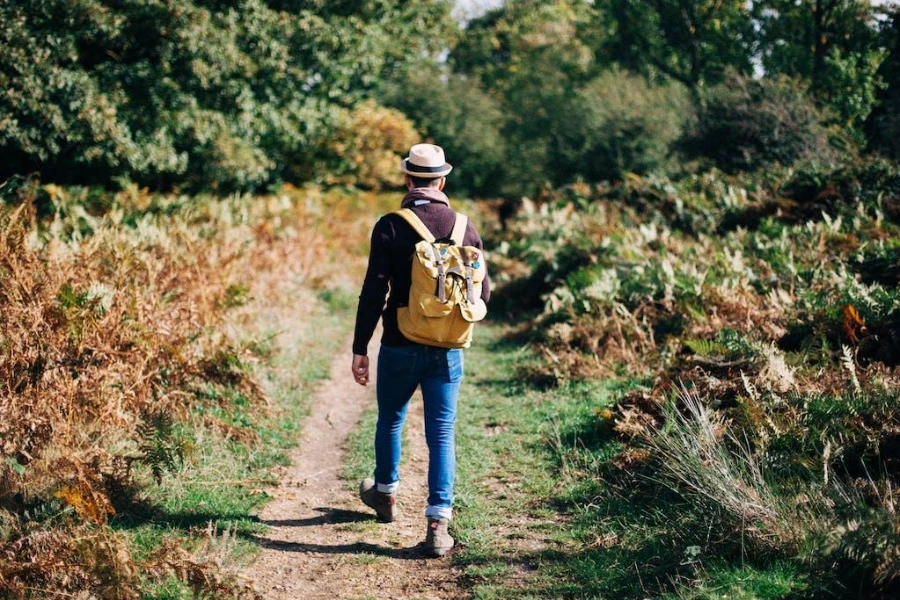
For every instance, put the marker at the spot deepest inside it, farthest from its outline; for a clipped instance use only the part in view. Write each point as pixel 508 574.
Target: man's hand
pixel 361 369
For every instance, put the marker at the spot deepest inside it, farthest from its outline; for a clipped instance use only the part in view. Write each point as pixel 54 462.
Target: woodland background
pixel 692 209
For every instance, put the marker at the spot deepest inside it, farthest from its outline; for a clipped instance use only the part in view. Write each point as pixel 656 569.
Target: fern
pixel 706 348
pixel 872 541
pixel 738 346
pixel 729 345
pixel 850 366
pixel 160 448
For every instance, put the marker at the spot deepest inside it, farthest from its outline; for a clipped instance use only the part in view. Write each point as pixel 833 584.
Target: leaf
pixel 707 348
pixel 14 464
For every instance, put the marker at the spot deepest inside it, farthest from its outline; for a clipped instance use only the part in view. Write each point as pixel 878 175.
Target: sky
pixel 468 9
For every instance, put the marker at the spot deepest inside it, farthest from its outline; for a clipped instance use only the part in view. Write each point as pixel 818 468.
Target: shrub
pixel 621 123
pixel 874 181
pixel 751 124
pixel 370 139
pixel 457 114
pixel 112 354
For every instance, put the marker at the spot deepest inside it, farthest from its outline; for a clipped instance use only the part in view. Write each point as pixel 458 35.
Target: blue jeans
pixel 401 369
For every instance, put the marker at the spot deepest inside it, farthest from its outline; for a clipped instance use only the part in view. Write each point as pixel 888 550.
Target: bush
pixel 748 124
pixel 624 124
pixel 190 94
pixel 370 139
pixel 116 370
pixel 456 113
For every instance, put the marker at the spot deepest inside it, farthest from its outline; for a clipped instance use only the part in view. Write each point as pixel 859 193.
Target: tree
pixel 883 124
pixel 454 111
pixel 532 56
pixel 194 93
pixel 694 42
pixel 831 44
pixel 624 124
pixel 748 124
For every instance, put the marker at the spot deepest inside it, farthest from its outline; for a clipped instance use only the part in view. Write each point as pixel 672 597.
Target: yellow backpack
pixel 445 295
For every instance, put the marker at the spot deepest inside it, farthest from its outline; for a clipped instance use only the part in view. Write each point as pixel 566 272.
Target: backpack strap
pixel 459 229
pixel 470 275
pixel 420 228
pixel 417 224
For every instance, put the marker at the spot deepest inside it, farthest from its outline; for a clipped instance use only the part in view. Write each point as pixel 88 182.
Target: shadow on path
pixel 412 553
pixel 334 516
pixel 329 516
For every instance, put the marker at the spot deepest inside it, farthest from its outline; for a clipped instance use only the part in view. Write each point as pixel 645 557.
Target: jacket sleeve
pixel 374 288
pixel 473 239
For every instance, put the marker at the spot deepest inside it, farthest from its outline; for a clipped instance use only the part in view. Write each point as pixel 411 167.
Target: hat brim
pixel 411 170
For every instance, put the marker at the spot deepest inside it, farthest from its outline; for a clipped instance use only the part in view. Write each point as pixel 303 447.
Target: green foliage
pixel 748 124
pixel 525 41
pixel 872 544
pixel 883 125
pixel 706 348
pixel 227 95
pixel 161 449
pixel 830 44
pixel 780 331
pixel 532 56
pixel 456 112
pixel 729 345
pixel 853 83
pixel 619 123
pixel 874 181
pixel 693 42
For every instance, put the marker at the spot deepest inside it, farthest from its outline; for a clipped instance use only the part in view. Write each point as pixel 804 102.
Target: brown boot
pixel 437 540
pixel 382 503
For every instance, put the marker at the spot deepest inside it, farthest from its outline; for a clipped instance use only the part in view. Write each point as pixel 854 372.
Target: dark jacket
pixel 390 265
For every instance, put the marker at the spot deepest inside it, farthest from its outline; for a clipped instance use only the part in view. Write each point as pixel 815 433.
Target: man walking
pixel 404 365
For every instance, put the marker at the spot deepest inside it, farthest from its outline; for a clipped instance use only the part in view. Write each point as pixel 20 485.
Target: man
pixel 403 365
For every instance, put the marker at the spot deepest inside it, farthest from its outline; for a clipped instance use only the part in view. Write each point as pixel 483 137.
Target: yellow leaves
pixel 371 140
pixel 90 504
pixel 853 324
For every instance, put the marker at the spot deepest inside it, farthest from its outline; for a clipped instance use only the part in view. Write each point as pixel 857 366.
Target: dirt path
pixel 323 542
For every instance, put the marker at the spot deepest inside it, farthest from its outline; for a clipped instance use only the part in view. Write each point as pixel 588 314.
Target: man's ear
pixel 442 184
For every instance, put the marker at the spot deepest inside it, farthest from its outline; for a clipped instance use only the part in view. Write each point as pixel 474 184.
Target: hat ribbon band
pixel 420 169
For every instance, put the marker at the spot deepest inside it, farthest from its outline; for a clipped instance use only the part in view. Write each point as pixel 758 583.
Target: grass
pixel 360 448
pixel 223 483
pixel 542 512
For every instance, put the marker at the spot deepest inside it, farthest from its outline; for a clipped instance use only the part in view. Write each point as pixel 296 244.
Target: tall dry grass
pixel 699 453
pixel 111 322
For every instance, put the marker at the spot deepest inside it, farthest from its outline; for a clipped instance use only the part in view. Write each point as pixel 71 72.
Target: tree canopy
pixel 230 93
pixel 238 94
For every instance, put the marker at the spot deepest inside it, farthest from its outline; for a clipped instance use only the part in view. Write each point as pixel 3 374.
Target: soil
pixel 323 542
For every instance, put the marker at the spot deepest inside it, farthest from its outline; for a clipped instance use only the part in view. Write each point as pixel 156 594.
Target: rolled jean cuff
pixel 439 512
pixel 388 488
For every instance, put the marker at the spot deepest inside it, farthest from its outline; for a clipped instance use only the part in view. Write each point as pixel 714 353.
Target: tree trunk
pixel 821 11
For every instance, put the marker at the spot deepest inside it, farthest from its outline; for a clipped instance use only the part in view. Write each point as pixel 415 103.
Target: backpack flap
pixel 452 258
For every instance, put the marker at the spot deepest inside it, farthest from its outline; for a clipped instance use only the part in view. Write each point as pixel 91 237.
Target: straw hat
pixel 426 161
